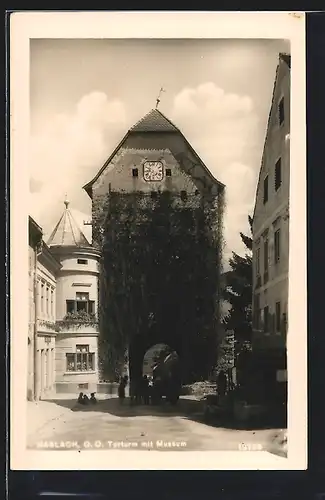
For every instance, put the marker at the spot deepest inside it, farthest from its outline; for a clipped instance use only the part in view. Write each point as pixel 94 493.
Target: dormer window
pixel 168 172
pixel 277 175
pixel 277 246
pixel 281 111
pixel 266 190
pixel 135 172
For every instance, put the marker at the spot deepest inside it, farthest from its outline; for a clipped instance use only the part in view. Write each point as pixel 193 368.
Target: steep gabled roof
pixel 154 121
pixel 67 232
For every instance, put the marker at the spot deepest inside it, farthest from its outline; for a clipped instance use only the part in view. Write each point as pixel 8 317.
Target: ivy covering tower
pixel 157 221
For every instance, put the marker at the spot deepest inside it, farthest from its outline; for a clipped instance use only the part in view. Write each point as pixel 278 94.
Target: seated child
pixel 81 398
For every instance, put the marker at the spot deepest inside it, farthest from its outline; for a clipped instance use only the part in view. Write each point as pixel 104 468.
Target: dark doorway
pixel 144 350
pixel 154 355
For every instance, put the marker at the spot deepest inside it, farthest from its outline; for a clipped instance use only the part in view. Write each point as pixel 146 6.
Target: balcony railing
pixel 72 321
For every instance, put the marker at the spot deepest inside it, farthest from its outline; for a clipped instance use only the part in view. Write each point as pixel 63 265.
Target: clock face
pixel 153 171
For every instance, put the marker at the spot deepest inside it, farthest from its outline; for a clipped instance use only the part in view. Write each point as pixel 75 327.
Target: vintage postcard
pixel 158 241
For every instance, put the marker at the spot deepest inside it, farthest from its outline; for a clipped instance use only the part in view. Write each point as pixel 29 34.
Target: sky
pixel 86 94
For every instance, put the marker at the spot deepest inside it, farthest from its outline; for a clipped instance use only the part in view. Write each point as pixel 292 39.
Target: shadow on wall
pixel 186 408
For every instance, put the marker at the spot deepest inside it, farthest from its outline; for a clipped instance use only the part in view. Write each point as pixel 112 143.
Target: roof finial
pixel 158 98
pixel 66 201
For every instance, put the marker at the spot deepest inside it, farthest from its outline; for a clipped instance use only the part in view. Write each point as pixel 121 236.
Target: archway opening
pixel 161 367
pixel 154 356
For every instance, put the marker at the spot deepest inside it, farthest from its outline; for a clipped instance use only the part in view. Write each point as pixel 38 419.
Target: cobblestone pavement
pixel 110 425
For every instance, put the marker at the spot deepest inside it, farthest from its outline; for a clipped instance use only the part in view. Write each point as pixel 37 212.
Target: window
pixel 82 303
pixel 278 317
pixel 168 172
pixel 183 195
pixel 266 254
pixel 47 300
pixel 266 261
pixel 277 246
pixel 281 111
pixel 82 261
pixel 258 319
pixel 284 323
pixel 135 172
pixel 257 311
pixel 277 174
pixel 266 190
pixel 82 360
pixel 258 261
pixel 154 195
pixel 42 297
pixel 70 306
pixel 52 302
pixel 266 319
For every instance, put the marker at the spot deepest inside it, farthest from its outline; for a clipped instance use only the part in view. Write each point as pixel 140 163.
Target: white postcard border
pixel 277 25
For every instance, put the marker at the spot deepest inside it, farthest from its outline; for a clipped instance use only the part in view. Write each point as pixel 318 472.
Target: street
pixel 110 425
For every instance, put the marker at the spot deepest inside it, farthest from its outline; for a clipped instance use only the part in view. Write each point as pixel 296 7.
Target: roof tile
pixel 67 232
pixel 154 121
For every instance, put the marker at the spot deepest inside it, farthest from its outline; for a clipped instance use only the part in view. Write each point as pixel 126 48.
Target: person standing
pixel 121 389
pixel 145 390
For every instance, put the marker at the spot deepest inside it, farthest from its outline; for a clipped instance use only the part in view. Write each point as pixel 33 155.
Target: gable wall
pixel 168 148
pixel 171 149
pixel 276 146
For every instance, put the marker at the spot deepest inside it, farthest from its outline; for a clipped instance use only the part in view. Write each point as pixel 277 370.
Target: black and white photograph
pixel 152 305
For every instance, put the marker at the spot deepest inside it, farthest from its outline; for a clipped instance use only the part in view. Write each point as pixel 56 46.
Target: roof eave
pixel 34 225
pixel 88 187
pixel 286 58
pixel 177 130
pixel 211 176
pixel 47 254
pixel 133 131
pixel 62 249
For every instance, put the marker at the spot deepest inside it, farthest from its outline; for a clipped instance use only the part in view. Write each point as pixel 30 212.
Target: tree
pixel 238 292
pixel 161 259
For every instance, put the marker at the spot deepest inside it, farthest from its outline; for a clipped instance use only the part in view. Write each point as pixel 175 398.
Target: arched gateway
pixel 157 221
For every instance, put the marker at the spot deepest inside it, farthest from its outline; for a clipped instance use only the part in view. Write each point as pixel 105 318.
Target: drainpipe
pixel 38 251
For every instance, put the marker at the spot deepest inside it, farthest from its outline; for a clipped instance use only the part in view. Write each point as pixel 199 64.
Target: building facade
pixel 76 345
pixel 35 241
pixel 271 242
pixel 47 270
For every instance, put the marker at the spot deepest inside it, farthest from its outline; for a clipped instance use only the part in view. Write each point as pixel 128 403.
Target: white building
pixel 271 242
pixel 47 269
pixel 35 242
pixel 76 344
